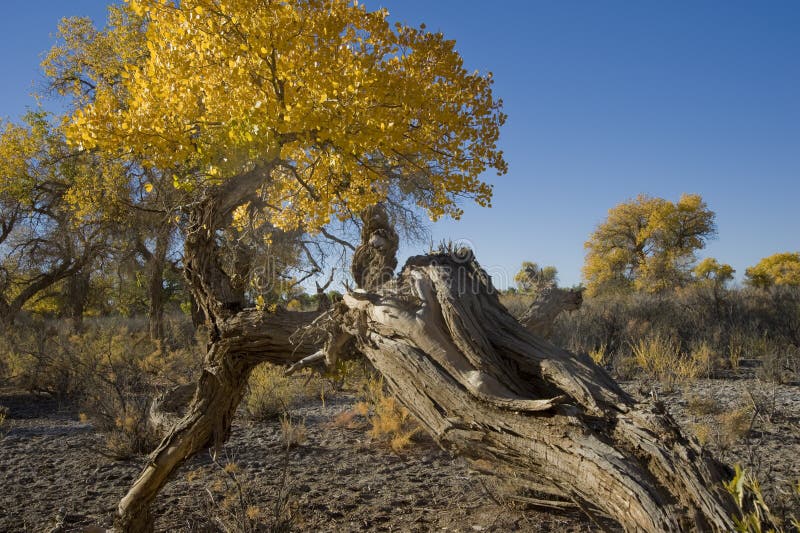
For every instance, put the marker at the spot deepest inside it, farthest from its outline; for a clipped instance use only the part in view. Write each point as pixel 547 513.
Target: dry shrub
pixel 660 358
pixel 233 506
pixel 780 364
pixel 110 370
pixel 734 425
pixel 516 303
pixel 600 355
pixel 352 418
pixel 703 433
pixel 271 393
pixel 701 406
pixel 294 431
pixel 391 422
pixel 723 328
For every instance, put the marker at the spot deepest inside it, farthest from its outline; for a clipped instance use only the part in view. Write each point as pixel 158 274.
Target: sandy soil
pixel 54 474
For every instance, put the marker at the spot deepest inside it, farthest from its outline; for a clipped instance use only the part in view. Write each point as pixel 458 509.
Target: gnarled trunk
pixel 245 341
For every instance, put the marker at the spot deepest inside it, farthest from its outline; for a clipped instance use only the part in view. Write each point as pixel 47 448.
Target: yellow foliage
pixel 777 269
pixel 336 104
pixel 709 269
pixel 647 244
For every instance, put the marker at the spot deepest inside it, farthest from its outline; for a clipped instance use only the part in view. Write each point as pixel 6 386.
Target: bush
pixel 271 393
pixel 391 422
pixel 110 370
pixel 717 329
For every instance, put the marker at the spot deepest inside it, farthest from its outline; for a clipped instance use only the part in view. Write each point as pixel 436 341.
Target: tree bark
pixel 77 294
pixel 239 340
pixel 155 261
pixel 245 340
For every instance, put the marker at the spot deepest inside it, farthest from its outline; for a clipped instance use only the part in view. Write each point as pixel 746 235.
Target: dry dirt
pixel 54 474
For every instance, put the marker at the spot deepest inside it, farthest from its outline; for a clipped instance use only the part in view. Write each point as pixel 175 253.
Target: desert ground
pixel 56 475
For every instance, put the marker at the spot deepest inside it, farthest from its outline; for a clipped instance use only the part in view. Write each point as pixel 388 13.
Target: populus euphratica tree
pixel 777 269
pixel 647 244
pixel 43 240
pixel 142 201
pixel 299 111
pixel 304 110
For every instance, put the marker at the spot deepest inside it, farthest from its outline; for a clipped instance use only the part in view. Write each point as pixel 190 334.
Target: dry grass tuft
pixel 271 393
pixel 294 431
pixel 734 425
pixel 701 406
pixel 391 422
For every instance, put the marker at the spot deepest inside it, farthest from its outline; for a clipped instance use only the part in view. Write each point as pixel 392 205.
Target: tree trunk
pixel 155 314
pixel 245 341
pixel 77 294
pixel 546 422
pixel 155 262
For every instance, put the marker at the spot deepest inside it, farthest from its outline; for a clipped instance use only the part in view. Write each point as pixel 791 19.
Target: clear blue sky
pixel 606 100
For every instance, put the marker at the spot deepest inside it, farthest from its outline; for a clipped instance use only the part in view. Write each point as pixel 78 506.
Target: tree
pixel 294 111
pixel 647 244
pixel 713 273
pixel 304 110
pixel 777 269
pixel 143 200
pixel 709 269
pixel 531 277
pixel 42 239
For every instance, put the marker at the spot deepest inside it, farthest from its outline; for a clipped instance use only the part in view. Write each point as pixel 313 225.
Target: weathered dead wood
pixel 546 306
pixel 545 421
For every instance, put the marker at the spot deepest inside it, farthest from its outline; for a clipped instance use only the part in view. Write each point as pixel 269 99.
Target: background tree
pixel 647 244
pixel 777 269
pixel 713 276
pixel 709 269
pixel 531 277
pixel 42 239
pixel 143 200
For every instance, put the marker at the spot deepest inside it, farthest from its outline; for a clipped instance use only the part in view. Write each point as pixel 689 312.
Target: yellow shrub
pixel 271 393
pixel 391 422
pixel 599 355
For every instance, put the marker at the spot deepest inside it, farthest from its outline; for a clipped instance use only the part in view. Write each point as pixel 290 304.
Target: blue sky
pixel 606 100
